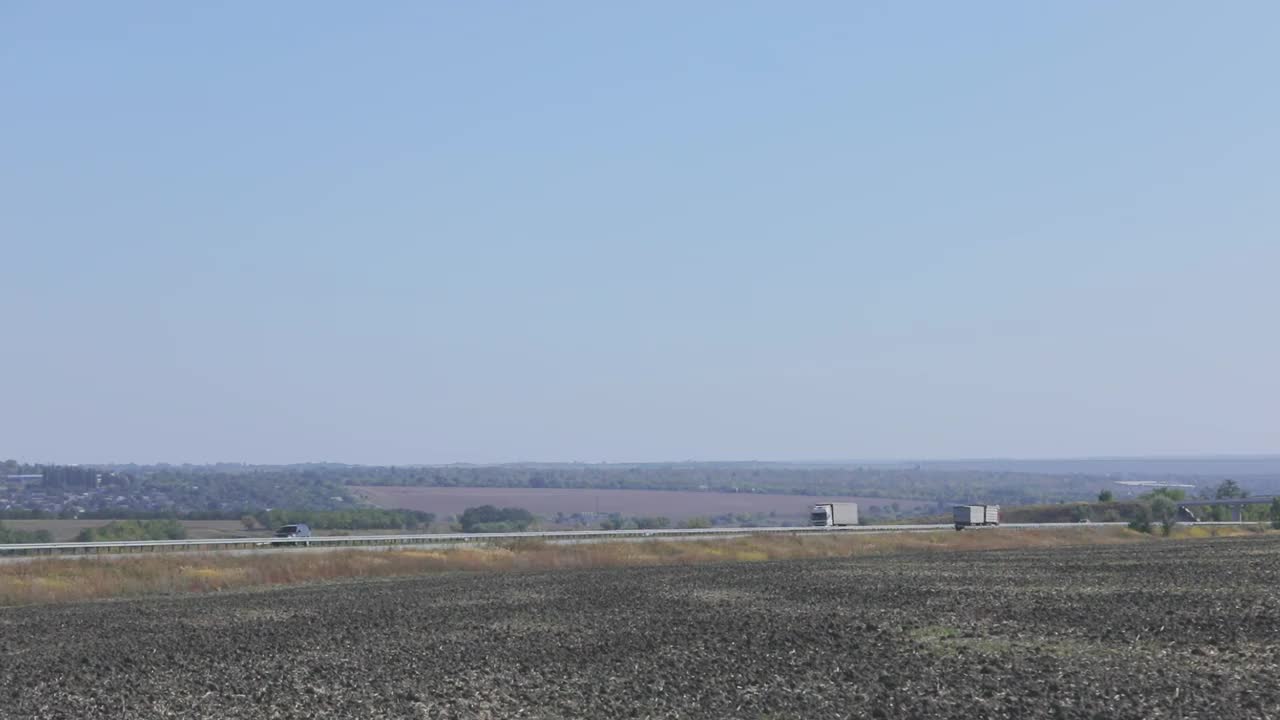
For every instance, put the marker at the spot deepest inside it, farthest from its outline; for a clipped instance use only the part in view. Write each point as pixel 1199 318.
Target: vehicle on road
pixel 834 514
pixel 300 530
pixel 975 515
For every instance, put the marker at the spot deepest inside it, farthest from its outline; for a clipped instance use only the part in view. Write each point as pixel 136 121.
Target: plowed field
pixel 1176 629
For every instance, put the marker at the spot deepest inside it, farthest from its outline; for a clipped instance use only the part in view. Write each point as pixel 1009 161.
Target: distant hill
pixel 1208 466
pixel 226 489
pixel 1011 482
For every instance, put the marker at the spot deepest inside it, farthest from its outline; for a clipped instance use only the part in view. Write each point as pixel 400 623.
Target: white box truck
pixel 834 514
pixel 975 515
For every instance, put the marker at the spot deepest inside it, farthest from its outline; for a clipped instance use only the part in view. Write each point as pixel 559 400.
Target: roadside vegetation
pixel 124 530
pixel 1149 512
pixel 49 580
pixel 12 536
pixel 490 519
pixel 356 519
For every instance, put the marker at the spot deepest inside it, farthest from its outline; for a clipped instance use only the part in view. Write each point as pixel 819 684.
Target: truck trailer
pixel 975 515
pixel 834 514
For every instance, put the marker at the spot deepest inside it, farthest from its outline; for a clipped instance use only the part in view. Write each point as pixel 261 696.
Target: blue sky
pixel 437 232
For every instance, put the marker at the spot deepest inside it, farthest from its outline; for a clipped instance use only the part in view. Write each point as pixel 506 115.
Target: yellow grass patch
pixel 66 579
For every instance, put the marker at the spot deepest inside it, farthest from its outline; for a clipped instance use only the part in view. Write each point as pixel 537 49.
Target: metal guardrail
pixel 420 539
pixel 213 544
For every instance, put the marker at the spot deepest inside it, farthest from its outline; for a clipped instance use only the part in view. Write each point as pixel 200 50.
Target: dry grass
pixel 72 579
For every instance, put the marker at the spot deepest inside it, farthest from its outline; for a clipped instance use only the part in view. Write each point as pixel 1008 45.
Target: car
pixel 298 530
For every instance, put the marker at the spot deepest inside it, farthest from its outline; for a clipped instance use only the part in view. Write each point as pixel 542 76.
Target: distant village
pixel 28 493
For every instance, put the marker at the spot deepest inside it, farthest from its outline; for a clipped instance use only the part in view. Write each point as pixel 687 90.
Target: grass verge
pixel 53 580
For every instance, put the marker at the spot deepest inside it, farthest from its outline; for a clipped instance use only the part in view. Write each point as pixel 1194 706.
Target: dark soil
pixel 1159 630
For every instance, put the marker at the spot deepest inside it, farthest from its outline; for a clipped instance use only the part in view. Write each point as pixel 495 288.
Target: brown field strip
pixel 446 501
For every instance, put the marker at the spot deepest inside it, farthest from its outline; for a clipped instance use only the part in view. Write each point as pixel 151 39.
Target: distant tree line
pixel 360 519
pixel 929 485
pixel 354 519
pixel 263 485
pixel 229 491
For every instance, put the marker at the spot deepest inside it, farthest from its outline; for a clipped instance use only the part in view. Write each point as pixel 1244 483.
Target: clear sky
pixel 433 232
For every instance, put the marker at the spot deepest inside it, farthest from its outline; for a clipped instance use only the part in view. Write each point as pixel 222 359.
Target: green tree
pixel 1226 490
pixel 1229 489
pixel 1275 513
pixel 1141 520
pixel 487 518
pixel 1166 512
pixel 1106 496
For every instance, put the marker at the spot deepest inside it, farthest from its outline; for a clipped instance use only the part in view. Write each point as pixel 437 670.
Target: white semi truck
pixel 975 515
pixel 834 514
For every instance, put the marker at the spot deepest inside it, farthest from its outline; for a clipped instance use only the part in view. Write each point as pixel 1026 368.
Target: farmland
pixel 445 501
pixel 1156 629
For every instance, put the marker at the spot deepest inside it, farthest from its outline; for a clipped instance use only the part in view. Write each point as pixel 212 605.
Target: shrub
pixel 1164 510
pixel 488 518
pixel 1141 520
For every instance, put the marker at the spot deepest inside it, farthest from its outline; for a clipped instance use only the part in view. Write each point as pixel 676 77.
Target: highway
pixel 558 536
pixel 322 541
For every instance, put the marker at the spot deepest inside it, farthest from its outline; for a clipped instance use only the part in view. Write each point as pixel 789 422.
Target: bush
pixel 126 530
pixel 653 523
pixel 1164 510
pixel 1141 520
pixel 697 522
pixel 1168 493
pixel 1106 496
pixel 488 518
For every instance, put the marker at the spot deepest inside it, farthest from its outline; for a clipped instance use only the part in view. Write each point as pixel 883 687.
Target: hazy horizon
pixel 415 234
pixel 1012 461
